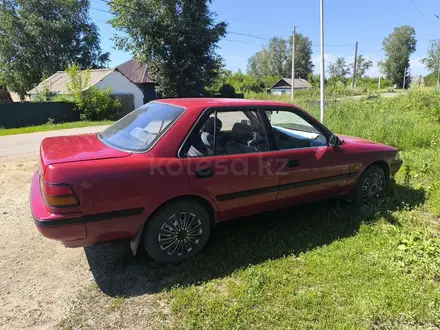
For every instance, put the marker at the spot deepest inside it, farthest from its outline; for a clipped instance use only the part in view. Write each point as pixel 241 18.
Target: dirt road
pixel 26 144
pixel 44 285
pixel 37 275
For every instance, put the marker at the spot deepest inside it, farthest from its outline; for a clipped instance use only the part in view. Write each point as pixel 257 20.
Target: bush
pixel 93 103
pixel 227 90
pixel 45 95
pixel 98 104
pixel 242 83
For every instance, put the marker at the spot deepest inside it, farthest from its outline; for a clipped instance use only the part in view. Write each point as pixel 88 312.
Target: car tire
pixel 371 186
pixel 177 231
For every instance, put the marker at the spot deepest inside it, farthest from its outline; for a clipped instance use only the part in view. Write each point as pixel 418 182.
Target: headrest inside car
pixel 209 125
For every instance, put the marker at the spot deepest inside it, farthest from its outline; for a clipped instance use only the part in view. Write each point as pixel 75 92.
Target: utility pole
pixel 404 78
pixel 322 63
pixel 378 86
pixel 353 83
pixel 292 93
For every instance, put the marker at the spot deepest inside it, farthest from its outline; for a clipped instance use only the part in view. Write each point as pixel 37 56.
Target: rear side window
pixel 140 129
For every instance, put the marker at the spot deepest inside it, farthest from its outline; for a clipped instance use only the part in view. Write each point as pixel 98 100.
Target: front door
pixel 227 157
pixel 309 168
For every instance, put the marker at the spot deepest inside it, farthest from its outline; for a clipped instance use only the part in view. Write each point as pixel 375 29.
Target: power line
pixel 423 15
pixel 335 46
pixel 242 34
pixel 249 35
pixel 99 9
pixel 241 42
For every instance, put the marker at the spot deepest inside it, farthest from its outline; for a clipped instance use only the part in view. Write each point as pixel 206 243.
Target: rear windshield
pixel 140 129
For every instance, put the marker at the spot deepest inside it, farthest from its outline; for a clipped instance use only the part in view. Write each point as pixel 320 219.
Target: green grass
pixel 324 265
pixel 328 265
pixel 51 127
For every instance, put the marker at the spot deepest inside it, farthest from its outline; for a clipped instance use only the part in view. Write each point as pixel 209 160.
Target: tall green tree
pixel 339 69
pixel 40 37
pixel 432 60
pixel 276 58
pixel 398 47
pixel 176 38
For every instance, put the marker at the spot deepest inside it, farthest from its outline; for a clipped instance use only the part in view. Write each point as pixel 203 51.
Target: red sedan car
pixel 165 174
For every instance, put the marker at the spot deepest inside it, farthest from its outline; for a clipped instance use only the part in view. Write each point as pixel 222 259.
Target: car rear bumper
pixel 395 166
pixel 61 227
pixel 77 230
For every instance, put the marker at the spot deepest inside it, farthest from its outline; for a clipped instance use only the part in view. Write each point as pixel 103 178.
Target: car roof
pixel 219 102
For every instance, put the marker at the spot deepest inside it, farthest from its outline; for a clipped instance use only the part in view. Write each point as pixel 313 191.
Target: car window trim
pixel 157 139
pixel 205 113
pixel 303 115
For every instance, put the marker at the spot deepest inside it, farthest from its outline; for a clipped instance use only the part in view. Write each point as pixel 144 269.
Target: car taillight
pixel 58 195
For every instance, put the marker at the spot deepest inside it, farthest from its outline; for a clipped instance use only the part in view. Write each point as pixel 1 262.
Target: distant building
pixel 284 86
pixel 131 96
pixel 138 74
pixel 5 97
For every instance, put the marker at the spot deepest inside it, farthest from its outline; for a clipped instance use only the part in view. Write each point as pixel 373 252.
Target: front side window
pixel 292 132
pixel 229 133
pixel 140 129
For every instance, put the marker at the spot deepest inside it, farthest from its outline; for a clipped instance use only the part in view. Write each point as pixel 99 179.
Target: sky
pixel 252 22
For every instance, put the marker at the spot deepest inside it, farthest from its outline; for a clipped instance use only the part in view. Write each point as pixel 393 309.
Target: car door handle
pixel 208 173
pixel 292 163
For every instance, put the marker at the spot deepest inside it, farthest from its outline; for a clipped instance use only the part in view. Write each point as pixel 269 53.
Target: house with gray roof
pixel 284 86
pixel 139 75
pixel 131 96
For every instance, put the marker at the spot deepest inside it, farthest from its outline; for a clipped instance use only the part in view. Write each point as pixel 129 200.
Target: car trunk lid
pixel 75 148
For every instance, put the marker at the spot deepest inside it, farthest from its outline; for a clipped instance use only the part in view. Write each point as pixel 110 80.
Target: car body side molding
pixel 89 218
pixel 249 193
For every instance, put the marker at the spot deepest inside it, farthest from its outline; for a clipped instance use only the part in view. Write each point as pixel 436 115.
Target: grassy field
pixel 51 127
pixel 325 265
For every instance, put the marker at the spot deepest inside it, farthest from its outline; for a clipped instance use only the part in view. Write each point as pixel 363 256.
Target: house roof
pixel 299 83
pixel 137 73
pixel 58 82
pixel 5 97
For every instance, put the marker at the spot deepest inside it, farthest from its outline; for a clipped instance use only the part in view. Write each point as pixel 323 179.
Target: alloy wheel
pixel 372 187
pixel 180 233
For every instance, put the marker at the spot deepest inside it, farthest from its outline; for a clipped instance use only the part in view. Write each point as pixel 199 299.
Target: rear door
pixel 309 168
pixel 232 162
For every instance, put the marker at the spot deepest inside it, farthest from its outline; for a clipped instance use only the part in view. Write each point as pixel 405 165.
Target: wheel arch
pixel 383 165
pixel 208 205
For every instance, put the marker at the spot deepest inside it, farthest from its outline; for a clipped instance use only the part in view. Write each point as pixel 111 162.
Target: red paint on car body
pixel 119 190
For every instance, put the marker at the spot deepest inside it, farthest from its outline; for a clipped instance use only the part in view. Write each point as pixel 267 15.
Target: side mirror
pixel 333 141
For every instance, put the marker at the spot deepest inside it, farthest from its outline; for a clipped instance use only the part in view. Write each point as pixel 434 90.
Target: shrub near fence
pixel 30 114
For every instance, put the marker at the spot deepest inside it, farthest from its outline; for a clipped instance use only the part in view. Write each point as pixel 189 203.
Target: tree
pixel 93 103
pixel 276 58
pixel 41 37
pixel 398 47
pixel 175 38
pixel 272 60
pixel 227 90
pixel 362 65
pixel 432 61
pixel 338 70
pixel 241 82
